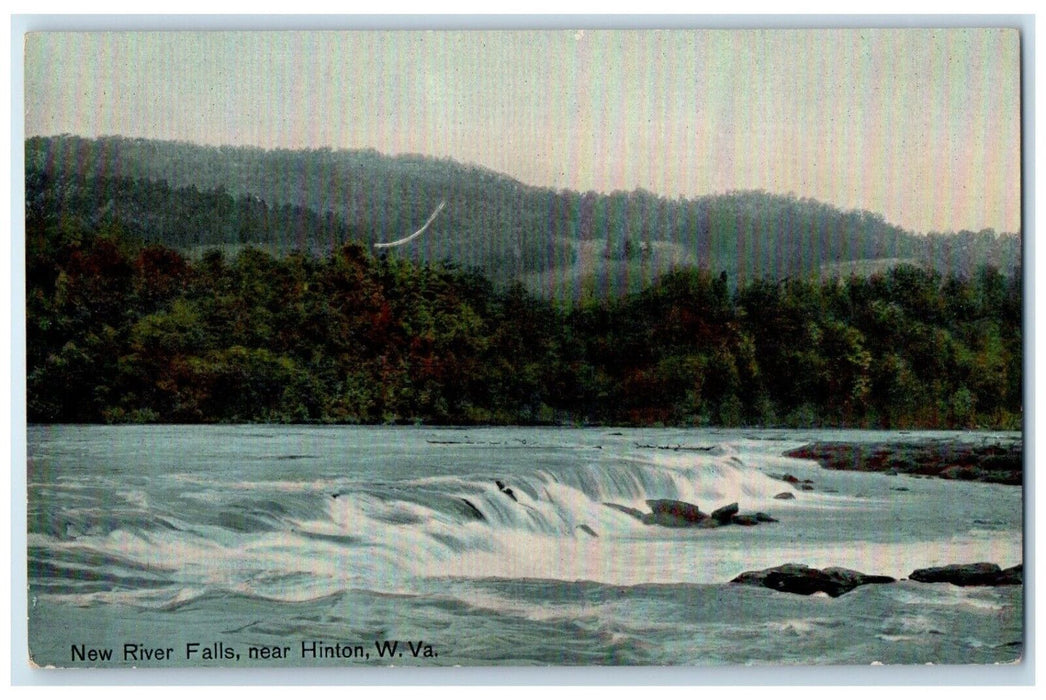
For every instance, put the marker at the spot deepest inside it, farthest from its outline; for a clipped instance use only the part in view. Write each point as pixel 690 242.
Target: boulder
pixel 725 514
pixel 785 496
pixel 765 518
pixel 680 508
pixel 668 520
pixel 852 579
pixel 758 578
pixel 979 574
pixel 804 580
pixel 745 520
pixel 506 490
pixel 669 513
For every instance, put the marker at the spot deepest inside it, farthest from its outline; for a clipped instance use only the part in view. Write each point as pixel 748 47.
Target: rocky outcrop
pixel 785 496
pixel 1013 576
pixel 796 482
pixel 725 514
pixel 506 490
pixel 979 574
pixel 1000 463
pixel 667 512
pixel 804 580
pixel 848 579
pixel 836 581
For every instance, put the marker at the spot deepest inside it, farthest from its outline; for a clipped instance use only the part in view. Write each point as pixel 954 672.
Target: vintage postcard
pixel 586 347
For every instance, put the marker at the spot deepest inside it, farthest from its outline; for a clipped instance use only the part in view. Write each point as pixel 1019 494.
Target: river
pixel 296 546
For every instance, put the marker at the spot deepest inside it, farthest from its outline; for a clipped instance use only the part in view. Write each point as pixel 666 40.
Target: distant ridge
pixel 559 243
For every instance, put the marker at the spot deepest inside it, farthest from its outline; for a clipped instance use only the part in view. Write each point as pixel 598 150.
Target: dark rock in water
pixel 979 574
pixel 725 514
pixel 785 496
pixel 1013 576
pixel 586 529
pixel 804 580
pixel 848 577
pixel 505 490
pixel 634 512
pixel 473 511
pixel 900 488
pixel 680 508
pixel 958 574
pixel 669 513
pixel 958 459
pixel 335 495
pixel 757 578
pixel 806 487
pixel 672 520
pixel 790 479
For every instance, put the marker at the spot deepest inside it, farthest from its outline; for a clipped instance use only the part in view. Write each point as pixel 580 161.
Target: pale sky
pixel 922 126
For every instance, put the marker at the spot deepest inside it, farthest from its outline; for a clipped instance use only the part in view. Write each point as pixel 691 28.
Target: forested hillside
pixel 562 244
pixel 176 283
pixel 121 330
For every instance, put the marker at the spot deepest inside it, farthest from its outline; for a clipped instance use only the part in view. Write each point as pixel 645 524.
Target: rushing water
pixel 287 546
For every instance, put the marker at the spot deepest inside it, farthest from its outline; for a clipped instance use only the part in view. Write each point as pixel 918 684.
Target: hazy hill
pixel 560 243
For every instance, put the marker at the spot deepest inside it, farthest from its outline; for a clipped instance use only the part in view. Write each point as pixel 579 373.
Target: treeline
pixel 563 243
pixel 122 330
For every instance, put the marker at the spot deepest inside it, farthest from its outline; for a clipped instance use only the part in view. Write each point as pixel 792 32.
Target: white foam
pixel 379 539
